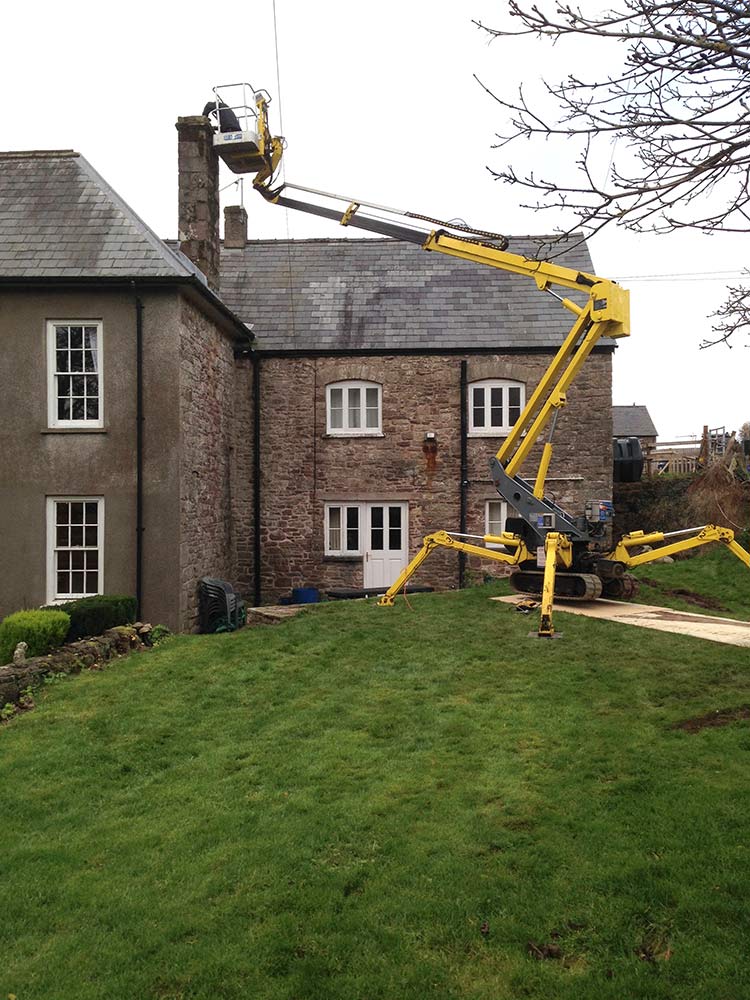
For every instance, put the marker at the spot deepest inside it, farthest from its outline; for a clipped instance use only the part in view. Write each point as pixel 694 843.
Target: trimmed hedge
pixel 41 630
pixel 94 615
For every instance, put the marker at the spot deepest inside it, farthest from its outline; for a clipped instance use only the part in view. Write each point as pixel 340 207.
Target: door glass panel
pixel 394 528
pixel 376 529
pixel 352 529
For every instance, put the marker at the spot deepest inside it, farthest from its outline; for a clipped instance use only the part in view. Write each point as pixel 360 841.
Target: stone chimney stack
pixel 198 169
pixel 235 227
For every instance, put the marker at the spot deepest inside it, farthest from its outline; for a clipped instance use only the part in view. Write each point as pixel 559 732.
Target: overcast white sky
pixel 377 101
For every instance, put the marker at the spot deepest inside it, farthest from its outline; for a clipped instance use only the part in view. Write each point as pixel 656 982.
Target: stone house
pixel 150 438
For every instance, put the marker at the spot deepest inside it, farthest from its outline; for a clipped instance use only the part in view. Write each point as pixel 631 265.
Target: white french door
pixel 386 543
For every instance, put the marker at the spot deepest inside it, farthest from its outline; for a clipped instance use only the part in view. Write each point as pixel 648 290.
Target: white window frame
pixel 52 396
pixel 345 430
pixel 504 515
pixel 52 596
pixel 342 550
pixel 487 384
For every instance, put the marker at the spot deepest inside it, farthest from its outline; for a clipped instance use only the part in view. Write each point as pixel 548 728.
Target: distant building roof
pixel 632 421
pixel 343 294
pixel 60 219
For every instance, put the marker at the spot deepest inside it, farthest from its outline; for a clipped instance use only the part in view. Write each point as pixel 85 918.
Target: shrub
pixel 94 615
pixel 41 630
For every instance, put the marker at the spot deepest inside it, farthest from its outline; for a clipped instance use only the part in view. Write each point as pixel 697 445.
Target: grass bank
pixel 372 803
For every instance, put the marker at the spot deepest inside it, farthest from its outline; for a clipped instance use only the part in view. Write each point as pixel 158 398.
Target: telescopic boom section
pixel 606 313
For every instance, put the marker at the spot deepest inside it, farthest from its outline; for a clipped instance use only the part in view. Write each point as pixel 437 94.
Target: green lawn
pixel 331 809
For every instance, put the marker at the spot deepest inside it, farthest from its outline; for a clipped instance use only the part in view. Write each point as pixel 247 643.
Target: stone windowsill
pixel 74 430
pixel 352 437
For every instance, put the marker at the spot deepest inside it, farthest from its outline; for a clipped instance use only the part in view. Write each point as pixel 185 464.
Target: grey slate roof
pixel 60 219
pixel 632 421
pixel 382 294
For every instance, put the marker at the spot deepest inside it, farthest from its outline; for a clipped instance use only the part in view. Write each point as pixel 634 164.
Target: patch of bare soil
pixel 689 596
pixel 721 717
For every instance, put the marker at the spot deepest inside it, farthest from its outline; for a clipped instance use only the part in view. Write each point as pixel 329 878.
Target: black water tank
pixel 628 460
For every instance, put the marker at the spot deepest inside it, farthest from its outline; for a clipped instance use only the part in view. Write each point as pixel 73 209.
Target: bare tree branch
pixel 672 118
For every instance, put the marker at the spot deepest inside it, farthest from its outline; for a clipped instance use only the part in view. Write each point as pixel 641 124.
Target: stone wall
pixel 302 467
pixel 215 490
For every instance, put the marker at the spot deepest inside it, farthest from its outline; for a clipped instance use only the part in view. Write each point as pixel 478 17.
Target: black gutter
pixel 138 452
pixel 358 352
pixel 257 594
pixel 464 483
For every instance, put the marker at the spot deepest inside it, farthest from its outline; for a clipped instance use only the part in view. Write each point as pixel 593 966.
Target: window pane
pixel 495 517
pixel 334 529
pixel 62 511
pixel 372 404
pixel 355 404
pixel 63 560
pixel 496 406
pixel 63 409
pixel 394 539
pixel 394 517
pixel 336 420
pixel 77 559
pixel 92 583
pixel 63 583
pixel 76 513
pixel 77 384
pixel 92 560
pixel 92 385
pixel 62 361
pixel 352 529
pixel 61 337
pixel 63 385
pixel 62 537
pixel 76 361
pixel 92 409
pixel 477 396
pixel 91 512
pixel 76 583
pixel 76 535
pixel 376 516
pixel 76 336
pixel 90 534
pixel 78 409
pixel 514 404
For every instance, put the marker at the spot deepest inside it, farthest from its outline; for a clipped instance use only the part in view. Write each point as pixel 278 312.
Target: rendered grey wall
pixel 37 462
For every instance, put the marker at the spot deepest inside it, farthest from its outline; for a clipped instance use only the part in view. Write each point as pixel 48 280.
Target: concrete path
pixel 727 630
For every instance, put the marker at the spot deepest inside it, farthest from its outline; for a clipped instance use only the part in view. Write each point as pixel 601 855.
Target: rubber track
pixel 568 586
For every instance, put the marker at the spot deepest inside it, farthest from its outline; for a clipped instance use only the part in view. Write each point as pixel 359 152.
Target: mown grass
pixel 713 572
pixel 334 807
